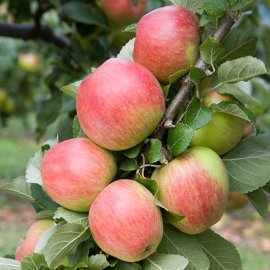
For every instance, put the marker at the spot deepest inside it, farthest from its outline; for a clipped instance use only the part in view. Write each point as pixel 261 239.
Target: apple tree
pixel 162 131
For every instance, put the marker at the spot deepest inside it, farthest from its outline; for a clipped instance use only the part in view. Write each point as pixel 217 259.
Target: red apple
pixel 224 131
pixel 125 221
pixel 195 185
pixel 123 11
pixel 29 62
pixel 75 171
pixel 27 246
pixel 167 40
pixel 119 104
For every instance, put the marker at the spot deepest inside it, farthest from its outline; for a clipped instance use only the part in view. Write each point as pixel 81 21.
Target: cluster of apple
pixel 119 105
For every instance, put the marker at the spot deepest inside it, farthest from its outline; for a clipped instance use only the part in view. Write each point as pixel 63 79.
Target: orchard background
pixel 47 47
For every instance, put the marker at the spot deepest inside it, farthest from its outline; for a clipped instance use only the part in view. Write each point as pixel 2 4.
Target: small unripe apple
pixel 119 104
pixel 196 186
pixel 125 221
pixel 9 106
pixel 27 246
pixel 224 131
pixel 237 200
pixel 3 97
pixel 75 171
pixel 122 12
pixel 29 62
pixel 167 40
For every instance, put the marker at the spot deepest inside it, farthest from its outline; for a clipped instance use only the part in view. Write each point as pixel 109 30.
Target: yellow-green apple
pixel 123 12
pixel 75 171
pixel 119 104
pixel 167 40
pixel 9 106
pixel 29 62
pixel 237 200
pixel 125 221
pixel 27 246
pixel 224 131
pixel 194 185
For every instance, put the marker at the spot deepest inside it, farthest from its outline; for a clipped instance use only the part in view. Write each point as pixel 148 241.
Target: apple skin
pixel 125 221
pixel 27 246
pixel 237 200
pixel 29 62
pixel 167 40
pixel 123 12
pixel 119 104
pixel 195 185
pixel 9 106
pixel 224 131
pixel 75 171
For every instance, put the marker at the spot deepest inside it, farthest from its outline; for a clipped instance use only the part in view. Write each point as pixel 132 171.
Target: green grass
pixel 14 155
pixel 254 260
pixel 9 239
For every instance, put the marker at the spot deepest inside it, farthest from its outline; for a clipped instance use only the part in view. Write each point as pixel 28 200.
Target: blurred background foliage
pixel 78 36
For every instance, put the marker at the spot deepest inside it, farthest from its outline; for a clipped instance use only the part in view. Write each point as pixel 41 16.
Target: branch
pixel 180 101
pixel 27 32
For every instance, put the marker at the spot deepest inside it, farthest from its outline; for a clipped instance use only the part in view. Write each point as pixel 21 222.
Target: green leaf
pixel 196 75
pixel 71 89
pixel 259 201
pixel 133 152
pixel 178 74
pixel 77 130
pixel 150 184
pixel 218 10
pixel 155 150
pixel 267 187
pixel 84 12
pixel 127 266
pixel 241 4
pixel 71 216
pixel 33 169
pixel 8 264
pixel 131 28
pixel 42 200
pixel 211 50
pixel 238 44
pixel 221 253
pixel 241 69
pixel 159 261
pixel 80 257
pixel 176 242
pixel 238 93
pixel 197 115
pixel 128 165
pixel 127 50
pixel 194 5
pixel 179 138
pixel 166 89
pixel 63 242
pixel 98 262
pixel 46 214
pixel 248 164
pixel 168 216
pixel 34 262
pixel 20 188
pixel 235 109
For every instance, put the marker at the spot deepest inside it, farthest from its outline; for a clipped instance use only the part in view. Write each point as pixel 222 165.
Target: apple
pixel 224 131
pixel 9 106
pixel 248 130
pixel 167 40
pixel 29 62
pixel 237 200
pixel 194 185
pixel 75 171
pixel 123 12
pixel 119 104
pixel 125 221
pixel 27 246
